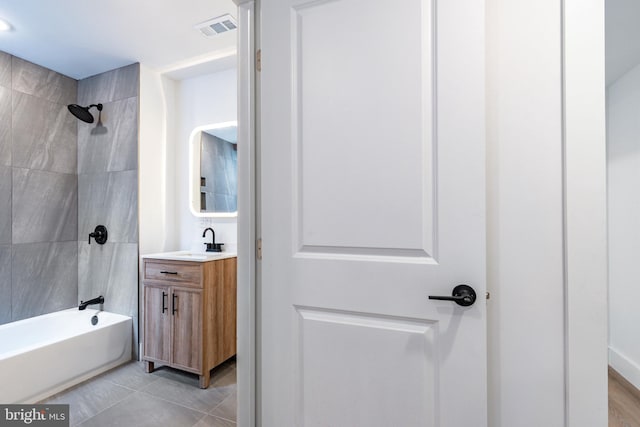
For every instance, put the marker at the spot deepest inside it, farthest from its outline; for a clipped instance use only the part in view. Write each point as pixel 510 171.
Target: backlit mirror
pixel 214 170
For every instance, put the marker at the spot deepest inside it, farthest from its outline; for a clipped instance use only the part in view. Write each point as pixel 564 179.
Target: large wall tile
pixel 110 199
pixel 38 190
pixel 108 192
pixel 45 278
pixel 110 270
pixel 5 284
pixel 110 86
pixel 5 126
pixel 44 135
pixel 5 70
pixel 116 148
pixel 45 206
pixel 5 204
pixel 43 83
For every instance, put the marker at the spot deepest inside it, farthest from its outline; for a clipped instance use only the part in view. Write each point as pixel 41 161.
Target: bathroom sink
pixel 198 256
pixel 191 256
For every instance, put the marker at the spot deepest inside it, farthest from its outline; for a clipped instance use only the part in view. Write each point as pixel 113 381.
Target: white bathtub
pixel 43 355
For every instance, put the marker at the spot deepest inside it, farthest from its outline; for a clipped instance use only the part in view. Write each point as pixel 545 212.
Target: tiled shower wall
pixel 38 190
pixel 108 191
pixel 59 178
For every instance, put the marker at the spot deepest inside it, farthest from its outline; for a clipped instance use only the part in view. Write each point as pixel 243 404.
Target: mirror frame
pixel 194 172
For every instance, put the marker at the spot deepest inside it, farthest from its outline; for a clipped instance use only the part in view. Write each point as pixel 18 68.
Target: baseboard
pixel 625 367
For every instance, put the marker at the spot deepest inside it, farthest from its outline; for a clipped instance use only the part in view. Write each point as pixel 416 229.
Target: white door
pixel 372 198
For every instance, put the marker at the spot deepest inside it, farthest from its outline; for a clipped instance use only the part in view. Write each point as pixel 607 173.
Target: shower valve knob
pixel 99 235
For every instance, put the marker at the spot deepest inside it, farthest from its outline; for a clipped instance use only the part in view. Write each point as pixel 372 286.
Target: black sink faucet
pixel 84 304
pixel 213 246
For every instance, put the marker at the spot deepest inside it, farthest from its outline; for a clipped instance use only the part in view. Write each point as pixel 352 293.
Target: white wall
pixel 525 214
pixel 156 170
pixel 585 212
pixel 623 161
pixel 207 99
pixel 169 111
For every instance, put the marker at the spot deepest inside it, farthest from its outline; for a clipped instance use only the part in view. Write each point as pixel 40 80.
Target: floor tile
pixel 131 375
pixel 176 375
pixel 227 409
pixel 223 377
pixel 211 421
pixel 90 398
pixel 127 396
pixel 188 395
pixel 143 410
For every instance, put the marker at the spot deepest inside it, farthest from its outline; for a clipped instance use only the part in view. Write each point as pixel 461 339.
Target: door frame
pixel 584 201
pixel 248 202
pixel 585 213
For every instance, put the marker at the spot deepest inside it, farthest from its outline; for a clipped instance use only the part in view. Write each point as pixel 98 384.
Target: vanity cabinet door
pixel 157 325
pixel 186 307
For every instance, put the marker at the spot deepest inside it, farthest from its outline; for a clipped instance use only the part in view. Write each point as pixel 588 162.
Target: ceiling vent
pixel 216 26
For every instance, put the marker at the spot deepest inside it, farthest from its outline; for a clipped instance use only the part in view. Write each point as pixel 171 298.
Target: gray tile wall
pixel 38 191
pixel 6 178
pixel 110 199
pixel 59 178
pixel 45 206
pixel 108 191
pixel 5 122
pixel 44 135
pixel 5 283
pixel 115 85
pixel 43 278
pixel 117 148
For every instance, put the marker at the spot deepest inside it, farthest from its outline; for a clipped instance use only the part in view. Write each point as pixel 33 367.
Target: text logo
pixel 34 415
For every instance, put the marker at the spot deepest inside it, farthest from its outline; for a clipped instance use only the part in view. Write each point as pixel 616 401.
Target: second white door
pixel 373 198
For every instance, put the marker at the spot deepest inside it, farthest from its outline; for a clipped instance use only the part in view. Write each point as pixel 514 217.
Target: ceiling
pixel 81 38
pixel 622 41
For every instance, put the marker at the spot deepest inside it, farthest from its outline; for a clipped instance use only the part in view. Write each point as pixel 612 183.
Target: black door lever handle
pixel 463 295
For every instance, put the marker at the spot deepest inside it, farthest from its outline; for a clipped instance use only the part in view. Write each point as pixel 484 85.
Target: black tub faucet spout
pixel 84 304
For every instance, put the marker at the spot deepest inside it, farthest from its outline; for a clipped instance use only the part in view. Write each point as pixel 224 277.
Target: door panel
pixel 372 189
pixel 380 370
pixel 364 138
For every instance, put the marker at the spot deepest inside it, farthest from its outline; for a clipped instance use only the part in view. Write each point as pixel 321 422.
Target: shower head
pixel 83 112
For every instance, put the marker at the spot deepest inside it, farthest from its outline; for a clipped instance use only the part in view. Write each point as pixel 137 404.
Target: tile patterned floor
pixel 127 396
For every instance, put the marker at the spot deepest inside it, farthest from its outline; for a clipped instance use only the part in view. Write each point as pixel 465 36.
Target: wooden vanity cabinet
pixel 189 314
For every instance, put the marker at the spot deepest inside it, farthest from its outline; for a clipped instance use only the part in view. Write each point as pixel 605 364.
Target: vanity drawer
pixel 188 272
